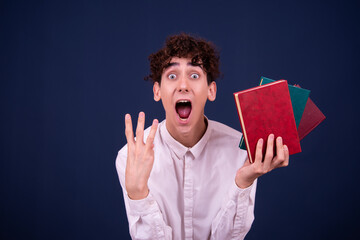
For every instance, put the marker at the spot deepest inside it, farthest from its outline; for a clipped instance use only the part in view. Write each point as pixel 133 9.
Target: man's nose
pixel 183 84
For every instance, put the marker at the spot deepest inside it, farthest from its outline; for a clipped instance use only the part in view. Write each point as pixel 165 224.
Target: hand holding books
pixel 247 174
pixel 264 110
pixel 257 108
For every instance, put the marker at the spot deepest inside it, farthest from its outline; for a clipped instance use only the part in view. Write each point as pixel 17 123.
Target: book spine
pixel 243 126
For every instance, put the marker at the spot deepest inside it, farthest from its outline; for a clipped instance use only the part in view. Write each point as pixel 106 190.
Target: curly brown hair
pixel 202 53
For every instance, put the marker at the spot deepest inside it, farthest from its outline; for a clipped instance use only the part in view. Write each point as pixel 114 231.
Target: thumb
pixel 247 162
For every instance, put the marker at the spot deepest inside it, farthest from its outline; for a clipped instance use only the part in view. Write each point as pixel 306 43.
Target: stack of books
pixel 278 108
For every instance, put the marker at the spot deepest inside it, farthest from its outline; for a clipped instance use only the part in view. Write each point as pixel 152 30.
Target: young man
pixel 186 178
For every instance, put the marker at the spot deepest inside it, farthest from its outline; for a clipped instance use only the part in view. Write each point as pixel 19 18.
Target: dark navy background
pixel 70 70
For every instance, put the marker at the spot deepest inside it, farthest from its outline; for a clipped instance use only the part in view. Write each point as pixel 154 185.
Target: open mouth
pixel 183 109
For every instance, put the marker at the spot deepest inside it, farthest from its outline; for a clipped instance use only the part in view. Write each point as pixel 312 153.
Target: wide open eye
pixel 172 76
pixel 195 76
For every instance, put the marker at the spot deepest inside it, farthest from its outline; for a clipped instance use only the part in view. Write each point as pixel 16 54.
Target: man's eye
pixel 172 76
pixel 195 75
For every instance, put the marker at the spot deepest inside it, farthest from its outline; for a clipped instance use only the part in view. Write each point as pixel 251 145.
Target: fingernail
pixel 127 116
pixel 271 137
pixel 279 139
pixel 155 122
pixel 261 141
pixel 286 148
pixel 141 114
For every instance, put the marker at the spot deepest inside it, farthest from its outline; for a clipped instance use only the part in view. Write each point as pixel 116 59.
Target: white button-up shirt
pixel 193 194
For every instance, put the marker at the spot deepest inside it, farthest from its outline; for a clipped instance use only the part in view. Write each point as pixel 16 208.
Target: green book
pixel 299 97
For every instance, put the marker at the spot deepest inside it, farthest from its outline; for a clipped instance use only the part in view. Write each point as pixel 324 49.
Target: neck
pixel 191 137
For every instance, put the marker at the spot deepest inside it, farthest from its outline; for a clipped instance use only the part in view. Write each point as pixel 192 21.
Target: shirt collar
pixel 179 149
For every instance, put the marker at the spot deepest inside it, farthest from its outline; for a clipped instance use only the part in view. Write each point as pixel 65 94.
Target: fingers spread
pixel 129 130
pixel 150 138
pixel 140 129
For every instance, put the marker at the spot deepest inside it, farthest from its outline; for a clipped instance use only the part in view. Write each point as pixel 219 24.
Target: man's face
pixel 184 91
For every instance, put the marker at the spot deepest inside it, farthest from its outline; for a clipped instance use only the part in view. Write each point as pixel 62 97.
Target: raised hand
pixel 247 174
pixel 140 157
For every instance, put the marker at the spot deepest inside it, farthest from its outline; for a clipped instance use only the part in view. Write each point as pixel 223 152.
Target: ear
pixel 212 91
pixel 156 90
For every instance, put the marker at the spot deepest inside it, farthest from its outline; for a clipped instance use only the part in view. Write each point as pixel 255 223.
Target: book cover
pixel 264 110
pixel 299 97
pixel 311 118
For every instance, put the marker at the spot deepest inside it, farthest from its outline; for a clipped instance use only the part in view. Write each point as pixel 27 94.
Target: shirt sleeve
pixel 144 216
pixel 236 214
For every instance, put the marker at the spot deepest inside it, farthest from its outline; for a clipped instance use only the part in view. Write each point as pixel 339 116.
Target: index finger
pixel 258 152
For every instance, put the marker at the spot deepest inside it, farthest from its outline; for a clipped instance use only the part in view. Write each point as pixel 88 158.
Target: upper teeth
pixel 183 101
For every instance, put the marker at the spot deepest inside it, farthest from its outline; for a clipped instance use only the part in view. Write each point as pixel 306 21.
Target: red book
pixel 310 119
pixel 264 110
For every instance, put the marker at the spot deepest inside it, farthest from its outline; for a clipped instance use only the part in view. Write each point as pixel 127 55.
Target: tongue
pixel 184 111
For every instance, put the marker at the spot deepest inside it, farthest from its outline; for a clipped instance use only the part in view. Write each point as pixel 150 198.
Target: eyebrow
pixel 177 64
